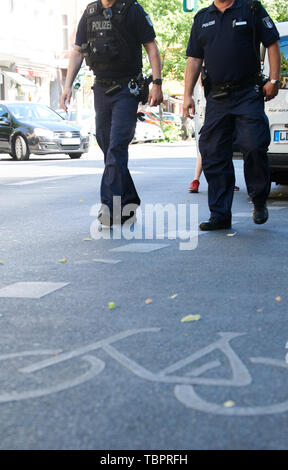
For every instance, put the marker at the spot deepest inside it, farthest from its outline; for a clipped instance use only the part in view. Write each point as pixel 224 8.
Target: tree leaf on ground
pixel 229 403
pixel 63 260
pixel 191 318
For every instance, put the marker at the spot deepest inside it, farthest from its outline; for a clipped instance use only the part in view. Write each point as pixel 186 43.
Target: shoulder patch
pixel 149 20
pixel 268 22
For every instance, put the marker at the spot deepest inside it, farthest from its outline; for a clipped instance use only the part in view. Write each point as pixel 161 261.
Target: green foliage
pixel 173 26
pixel 278 10
pixel 171 132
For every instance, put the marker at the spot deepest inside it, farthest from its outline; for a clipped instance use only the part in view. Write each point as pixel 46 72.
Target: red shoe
pixel 194 186
pixel 236 188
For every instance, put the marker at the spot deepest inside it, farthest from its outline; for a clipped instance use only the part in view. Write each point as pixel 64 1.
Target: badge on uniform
pixel 268 22
pixel 239 23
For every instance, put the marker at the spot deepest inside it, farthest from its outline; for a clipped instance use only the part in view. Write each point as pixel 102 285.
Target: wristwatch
pixel 157 81
pixel 275 82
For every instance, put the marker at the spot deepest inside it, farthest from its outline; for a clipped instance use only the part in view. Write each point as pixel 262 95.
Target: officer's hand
pixel 270 90
pixel 155 96
pixel 187 105
pixel 65 99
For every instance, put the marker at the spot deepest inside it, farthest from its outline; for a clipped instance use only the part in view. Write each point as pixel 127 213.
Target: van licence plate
pixel 281 137
pixel 70 141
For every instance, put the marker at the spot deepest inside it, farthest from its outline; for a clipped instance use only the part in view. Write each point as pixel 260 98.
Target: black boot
pixel 260 214
pixel 215 224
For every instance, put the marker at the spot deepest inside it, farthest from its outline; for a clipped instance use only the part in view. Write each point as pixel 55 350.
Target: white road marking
pixel 30 290
pixel 107 261
pixel 139 247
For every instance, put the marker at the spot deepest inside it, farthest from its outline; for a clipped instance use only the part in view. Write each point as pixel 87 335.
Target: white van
pixel 276 110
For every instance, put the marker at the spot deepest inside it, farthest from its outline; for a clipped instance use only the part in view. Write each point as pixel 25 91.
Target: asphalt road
pixel 78 374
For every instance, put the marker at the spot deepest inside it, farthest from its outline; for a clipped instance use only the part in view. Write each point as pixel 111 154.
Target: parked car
pixel 147 132
pixel 85 120
pixel 27 128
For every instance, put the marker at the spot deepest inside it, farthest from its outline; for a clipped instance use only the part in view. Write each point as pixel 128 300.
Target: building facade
pixel 35 39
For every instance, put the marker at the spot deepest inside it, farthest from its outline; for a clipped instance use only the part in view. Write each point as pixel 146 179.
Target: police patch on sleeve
pixel 268 22
pixel 149 21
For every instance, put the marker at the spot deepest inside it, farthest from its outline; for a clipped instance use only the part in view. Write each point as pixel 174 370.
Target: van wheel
pixel 20 148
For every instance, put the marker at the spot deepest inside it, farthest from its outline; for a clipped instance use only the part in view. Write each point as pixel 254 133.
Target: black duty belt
pixel 106 82
pixel 235 85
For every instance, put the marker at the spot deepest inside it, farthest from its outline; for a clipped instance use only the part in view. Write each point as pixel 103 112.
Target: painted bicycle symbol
pixel 184 385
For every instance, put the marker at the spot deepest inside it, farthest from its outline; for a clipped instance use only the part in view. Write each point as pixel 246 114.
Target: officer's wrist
pixel 275 82
pixel 157 81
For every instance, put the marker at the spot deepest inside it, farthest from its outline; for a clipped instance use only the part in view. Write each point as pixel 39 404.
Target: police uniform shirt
pixel 225 40
pixel 138 24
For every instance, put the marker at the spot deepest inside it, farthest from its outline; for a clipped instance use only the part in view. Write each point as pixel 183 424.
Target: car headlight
pixel 84 132
pixel 43 133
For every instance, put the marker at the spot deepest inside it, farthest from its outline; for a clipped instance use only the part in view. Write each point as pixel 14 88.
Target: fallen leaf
pixel 279 299
pixel 259 310
pixel 1 262
pixel 174 296
pixel 81 200
pixel 191 318
pixel 231 234
pixel 148 301
pixel 87 239
pixel 229 404
pixel 111 305
pixel 63 260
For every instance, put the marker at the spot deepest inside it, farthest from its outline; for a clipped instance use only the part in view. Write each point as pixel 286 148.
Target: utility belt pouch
pixel 205 80
pixel 143 83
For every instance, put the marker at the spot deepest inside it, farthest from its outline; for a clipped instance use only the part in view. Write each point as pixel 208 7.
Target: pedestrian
pixel 227 36
pixel 110 36
pixel 194 186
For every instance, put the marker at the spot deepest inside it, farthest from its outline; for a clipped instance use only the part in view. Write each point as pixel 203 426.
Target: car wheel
pixel 75 155
pixel 20 148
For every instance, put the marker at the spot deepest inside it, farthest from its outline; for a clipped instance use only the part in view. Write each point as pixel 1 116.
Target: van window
pixel 284 61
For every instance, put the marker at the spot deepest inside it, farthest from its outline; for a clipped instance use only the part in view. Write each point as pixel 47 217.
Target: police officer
pixel 227 37
pixel 110 36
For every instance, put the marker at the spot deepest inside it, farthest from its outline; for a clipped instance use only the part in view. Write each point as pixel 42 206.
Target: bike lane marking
pixel 139 247
pixel 31 290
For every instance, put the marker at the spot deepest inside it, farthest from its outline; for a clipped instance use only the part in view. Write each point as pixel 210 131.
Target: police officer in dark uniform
pixel 110 36
pixel 227 37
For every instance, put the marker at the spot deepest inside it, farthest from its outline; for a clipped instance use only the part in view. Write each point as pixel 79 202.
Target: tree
pixel 277 10
pixel 173 28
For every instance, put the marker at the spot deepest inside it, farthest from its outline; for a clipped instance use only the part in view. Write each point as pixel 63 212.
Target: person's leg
pixel 198 169
pixel 253 139
pixel 215 145
pixel 116 179
pixel 253 136
pixel 194 186
pixel 103 110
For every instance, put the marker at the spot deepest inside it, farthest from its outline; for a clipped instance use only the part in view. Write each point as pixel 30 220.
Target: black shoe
pixel 131 219
pixel 215 224
pixel 104 216
pixel 260 214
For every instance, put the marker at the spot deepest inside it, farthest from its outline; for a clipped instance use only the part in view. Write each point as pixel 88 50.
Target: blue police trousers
pixel 115 129
pixel 239 120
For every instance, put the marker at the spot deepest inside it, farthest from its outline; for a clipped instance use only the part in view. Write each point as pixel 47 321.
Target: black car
pixel 35 128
